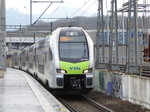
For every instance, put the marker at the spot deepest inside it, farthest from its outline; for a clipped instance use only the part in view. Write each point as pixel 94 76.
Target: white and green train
pixel 64 60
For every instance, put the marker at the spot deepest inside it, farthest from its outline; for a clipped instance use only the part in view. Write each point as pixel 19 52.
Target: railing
pixel 142 66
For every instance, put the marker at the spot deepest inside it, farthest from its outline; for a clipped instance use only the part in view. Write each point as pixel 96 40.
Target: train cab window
pixel 73 46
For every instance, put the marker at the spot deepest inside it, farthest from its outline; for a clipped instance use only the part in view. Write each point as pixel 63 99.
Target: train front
pixel 76 59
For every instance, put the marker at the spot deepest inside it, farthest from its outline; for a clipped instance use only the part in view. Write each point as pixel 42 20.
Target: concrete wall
pixel 135 89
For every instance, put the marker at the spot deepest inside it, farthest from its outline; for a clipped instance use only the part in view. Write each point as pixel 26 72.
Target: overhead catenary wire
pixel 50 3
pixel 42 14
pixel 54 11
pixel 79 8
pixel 89 7
pixel 66 5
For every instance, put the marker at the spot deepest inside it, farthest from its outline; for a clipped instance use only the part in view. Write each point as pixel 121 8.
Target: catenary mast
pixel 2 38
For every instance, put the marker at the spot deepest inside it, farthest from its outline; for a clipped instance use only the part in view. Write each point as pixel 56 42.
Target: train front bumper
pixel 75 81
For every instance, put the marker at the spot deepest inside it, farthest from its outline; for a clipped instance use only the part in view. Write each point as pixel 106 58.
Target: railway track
pixel 66 104
pixel 97 105
pixel 82 99
pixel 82 104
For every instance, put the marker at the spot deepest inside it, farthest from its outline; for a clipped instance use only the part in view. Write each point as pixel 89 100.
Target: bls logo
pixel 74 68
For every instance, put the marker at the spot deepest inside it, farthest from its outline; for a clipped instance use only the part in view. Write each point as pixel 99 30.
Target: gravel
pixel 115 104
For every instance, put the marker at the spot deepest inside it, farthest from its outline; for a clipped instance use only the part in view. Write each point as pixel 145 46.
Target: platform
pixel 19 92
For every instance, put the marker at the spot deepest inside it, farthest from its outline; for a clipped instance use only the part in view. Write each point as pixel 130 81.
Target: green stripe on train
pixel 74 68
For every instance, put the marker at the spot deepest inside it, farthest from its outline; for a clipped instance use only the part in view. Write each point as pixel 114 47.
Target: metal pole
pixel 116 31
pixel 51 27
pixel 30 12
pixel 123 28
pixel 128 37
pixel 34 37
pixel 2 38
pixel 102 21
pixel 20 36
pixel 98 35
pixel 135 30
pixel 111 35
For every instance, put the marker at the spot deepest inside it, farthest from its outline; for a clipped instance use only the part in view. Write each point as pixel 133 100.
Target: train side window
pixel 50 54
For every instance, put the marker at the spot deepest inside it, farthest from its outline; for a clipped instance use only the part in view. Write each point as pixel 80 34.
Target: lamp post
pixel 26 17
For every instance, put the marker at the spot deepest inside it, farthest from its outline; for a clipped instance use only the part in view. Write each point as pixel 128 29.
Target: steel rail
pixel 96 104
pixel 70 108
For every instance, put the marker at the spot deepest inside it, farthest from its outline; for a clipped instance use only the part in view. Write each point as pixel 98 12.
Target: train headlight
pixel 61 71
pixel 88 70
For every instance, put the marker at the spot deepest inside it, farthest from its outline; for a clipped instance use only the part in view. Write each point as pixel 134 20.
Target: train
pixel 63 61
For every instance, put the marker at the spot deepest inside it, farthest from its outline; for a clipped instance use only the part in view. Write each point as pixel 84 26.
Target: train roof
pixel 70 28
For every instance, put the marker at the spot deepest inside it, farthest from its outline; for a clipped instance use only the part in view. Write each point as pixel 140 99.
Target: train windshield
pixel 73 45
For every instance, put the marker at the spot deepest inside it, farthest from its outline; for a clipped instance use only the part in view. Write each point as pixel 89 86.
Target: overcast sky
pixel 70 8
pixel 24 5
pixel 89 6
